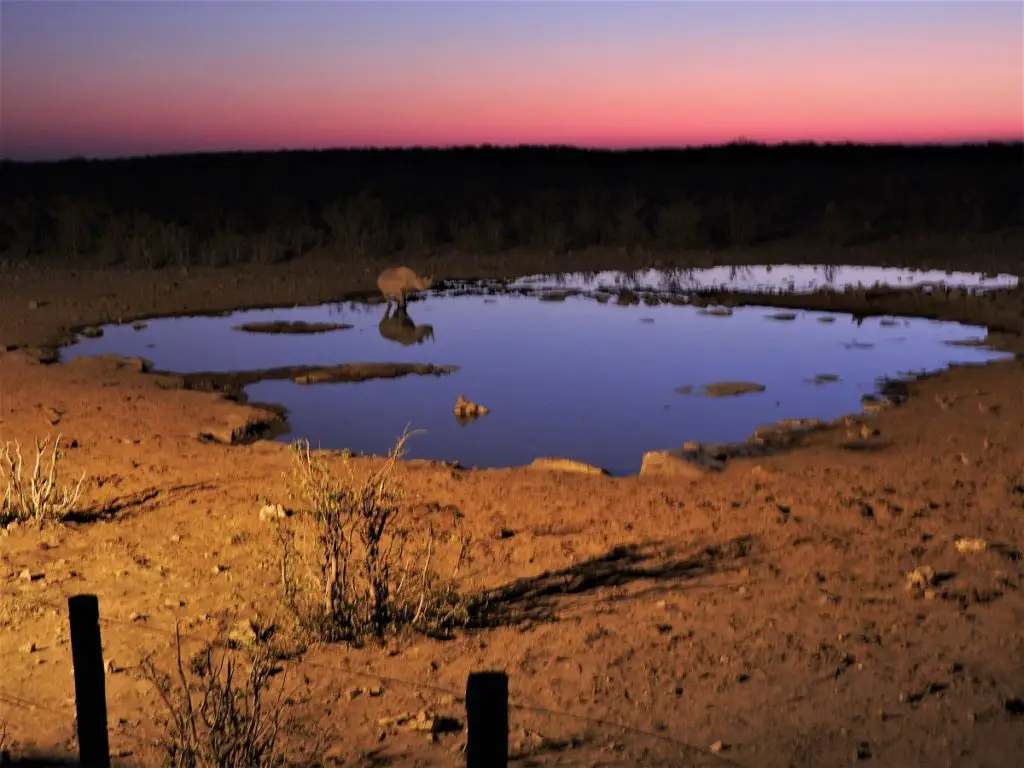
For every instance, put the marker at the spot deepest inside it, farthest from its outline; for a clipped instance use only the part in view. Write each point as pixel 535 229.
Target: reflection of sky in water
pixel 784 277
pixel 574 378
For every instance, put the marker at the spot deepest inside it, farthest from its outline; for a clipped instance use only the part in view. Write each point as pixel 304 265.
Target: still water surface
pixel 577 378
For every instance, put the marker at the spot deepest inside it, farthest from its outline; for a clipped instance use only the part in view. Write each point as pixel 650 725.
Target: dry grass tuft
pixel 38 496
pixel 218 714
pixel 356 563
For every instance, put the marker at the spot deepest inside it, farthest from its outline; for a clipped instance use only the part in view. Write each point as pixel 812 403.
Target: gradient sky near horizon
pixel 104 79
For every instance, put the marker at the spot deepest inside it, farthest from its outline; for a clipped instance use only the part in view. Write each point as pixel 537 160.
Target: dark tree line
pixel 269 206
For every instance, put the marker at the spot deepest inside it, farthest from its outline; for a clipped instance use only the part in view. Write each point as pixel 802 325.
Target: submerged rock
pixel 468 410
pixel 825 378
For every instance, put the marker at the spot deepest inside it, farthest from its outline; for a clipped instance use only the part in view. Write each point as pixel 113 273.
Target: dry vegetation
pixel 218 713
pixel 263 208
pixel 37 496
pixel 353 562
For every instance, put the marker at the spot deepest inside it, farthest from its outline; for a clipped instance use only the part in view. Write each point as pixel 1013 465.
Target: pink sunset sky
pixel 124 78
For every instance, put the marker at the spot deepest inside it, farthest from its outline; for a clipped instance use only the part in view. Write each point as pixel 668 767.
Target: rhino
pixel 396 282
pixel 398 326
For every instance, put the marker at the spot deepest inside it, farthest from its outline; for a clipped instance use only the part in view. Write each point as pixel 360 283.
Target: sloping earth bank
pixel 765 607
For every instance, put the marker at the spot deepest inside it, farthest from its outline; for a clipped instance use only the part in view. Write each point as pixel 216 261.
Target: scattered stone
pixel 968 546
pixel 691 464
pixel 466 409
pixel 827 319
pixel 874 404
pixel 259 423
pixel 27 575
pixel 34 304
pixel 422 721
pixel 554 464
pixel 716 311
pixel 271 512
pixel 782 316
pixel 28 648
pixel 685 389
pixel 718 746
pixel 139 326
pixel 921 578
pixel 138 364
pixel 244 633
pixel 91 332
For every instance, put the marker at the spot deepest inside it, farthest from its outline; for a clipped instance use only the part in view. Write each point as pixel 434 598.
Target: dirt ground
pixel 756 617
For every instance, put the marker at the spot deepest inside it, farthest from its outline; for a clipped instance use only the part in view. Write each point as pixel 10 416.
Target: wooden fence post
pixel 90 686
pixel 487 720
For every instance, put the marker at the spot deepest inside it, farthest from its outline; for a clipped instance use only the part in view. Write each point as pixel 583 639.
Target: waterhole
pixel 582 376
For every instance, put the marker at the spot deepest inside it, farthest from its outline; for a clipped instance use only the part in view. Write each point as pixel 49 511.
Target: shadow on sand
pixel 539 598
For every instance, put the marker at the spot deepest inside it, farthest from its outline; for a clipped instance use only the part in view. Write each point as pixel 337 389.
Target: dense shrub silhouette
pixel 270 206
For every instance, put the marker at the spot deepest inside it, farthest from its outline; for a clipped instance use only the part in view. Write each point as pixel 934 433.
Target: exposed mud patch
pixel 235 381
pixel 290 327
pixel 731 388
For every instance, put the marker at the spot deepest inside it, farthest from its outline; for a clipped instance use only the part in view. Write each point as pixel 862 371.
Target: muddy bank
pixel 233 382
pixel 1002 311
pixel 39 305
pixel 753 610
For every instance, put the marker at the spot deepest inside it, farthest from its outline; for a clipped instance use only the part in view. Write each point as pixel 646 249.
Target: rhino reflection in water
pixel 398 326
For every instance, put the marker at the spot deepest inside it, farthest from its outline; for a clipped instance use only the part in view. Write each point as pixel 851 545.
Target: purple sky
pixel 116 78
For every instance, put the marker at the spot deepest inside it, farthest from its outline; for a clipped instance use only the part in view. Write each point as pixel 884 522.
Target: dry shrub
pixel 355 562
pixel 37 497
pixel 218 714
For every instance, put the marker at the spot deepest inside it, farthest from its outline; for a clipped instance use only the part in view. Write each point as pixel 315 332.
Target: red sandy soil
pixel 764 610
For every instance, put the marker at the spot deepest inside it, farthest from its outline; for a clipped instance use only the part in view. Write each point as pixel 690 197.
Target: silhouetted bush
pixel 272 206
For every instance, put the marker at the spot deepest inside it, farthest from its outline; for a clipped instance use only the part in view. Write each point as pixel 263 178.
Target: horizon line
pixel 733 143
